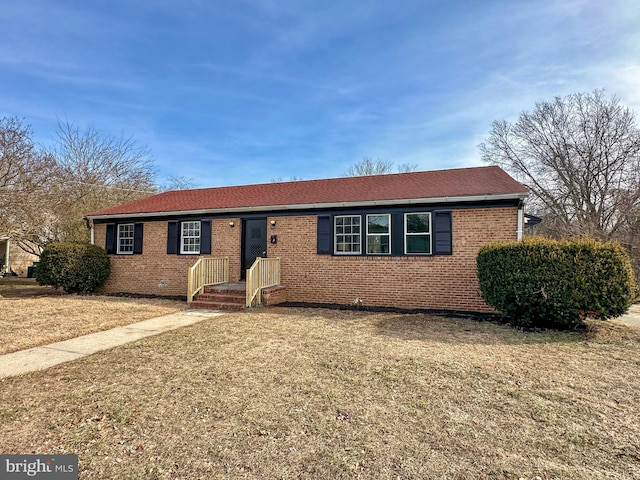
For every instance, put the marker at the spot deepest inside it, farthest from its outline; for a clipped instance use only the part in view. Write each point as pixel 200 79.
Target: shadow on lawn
pixel 16 287
pixel 453 330
pixel 433 327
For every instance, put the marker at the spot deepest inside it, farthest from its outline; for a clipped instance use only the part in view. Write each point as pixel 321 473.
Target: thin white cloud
pixel 254 90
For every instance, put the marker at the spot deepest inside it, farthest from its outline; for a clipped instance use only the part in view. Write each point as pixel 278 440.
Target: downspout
pixel 89 225
pixel 520 225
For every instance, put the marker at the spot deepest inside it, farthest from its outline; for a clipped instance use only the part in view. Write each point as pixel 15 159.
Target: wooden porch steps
pixel 230 296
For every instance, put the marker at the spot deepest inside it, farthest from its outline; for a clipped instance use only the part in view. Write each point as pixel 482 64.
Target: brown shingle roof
pixel 436 184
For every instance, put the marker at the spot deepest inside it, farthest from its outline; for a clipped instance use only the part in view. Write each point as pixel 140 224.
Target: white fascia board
pixel 313 206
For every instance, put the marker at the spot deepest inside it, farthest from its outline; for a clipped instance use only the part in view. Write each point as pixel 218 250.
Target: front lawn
pixel 31 316
pixel 294 393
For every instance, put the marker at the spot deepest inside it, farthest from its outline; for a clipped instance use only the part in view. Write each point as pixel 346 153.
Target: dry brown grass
pixel 43 316
pixel 291 393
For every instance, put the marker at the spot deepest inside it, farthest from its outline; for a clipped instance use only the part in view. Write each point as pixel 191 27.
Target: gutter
pixel 304 206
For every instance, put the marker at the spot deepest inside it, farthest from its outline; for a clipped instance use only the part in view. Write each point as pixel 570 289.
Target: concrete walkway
pixel 40 358
pixel 632 317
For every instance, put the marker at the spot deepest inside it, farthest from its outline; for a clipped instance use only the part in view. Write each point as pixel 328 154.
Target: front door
pixel 254 241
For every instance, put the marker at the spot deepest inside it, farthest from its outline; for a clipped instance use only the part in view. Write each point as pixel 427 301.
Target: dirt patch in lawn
pixel 307 394
pixel 28 321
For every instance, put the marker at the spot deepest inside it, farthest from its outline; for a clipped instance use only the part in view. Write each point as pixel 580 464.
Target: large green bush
pixel 76 267
pixel 540 282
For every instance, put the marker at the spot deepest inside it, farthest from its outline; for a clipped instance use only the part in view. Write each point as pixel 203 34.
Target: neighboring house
pixel 13 259
pixel 406 240
pixel 530 223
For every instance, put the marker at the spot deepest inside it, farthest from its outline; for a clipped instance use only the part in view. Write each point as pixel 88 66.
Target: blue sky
pixel 233 92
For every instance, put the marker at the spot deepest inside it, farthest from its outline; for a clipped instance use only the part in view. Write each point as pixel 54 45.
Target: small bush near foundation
pixel 77 268
pixel 540 282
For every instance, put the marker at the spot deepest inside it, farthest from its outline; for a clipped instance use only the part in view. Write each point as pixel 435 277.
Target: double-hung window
pixel 190 237
pixel 417 233
pixel 125 238
pixel 347 235
pixel 379 234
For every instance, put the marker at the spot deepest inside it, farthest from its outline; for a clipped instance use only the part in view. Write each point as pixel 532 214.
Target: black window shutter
pixel 397 234
pixel 110 239
pixel 172 238
pixel 324 235
pixel 205 236
pixel 442 233
pixel 137 237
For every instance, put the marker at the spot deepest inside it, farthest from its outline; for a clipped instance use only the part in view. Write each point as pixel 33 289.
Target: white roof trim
pixel 304 206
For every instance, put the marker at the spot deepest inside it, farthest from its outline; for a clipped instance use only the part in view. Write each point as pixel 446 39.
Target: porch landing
pixel 232 296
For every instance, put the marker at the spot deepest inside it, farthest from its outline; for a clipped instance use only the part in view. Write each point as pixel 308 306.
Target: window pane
pixel 419 244
pixel 378 244
pixel 378 223
pixel 418 223
pixel 125 238
pixel 347 234
pixel 190 237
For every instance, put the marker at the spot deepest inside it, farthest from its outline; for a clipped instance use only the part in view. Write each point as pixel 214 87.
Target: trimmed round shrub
pixel 76 267
pixel 540 282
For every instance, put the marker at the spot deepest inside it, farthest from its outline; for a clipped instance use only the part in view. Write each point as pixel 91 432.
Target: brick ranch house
pixel 406 240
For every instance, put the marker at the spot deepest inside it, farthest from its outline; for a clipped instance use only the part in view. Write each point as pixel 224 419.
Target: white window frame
pixel 128 238
pixel 416 234
pixel 352 243
pixel 388 234
pixel 187 226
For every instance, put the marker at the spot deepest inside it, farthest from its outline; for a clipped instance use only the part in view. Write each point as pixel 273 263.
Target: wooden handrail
pixel 206 271
pixel 265 272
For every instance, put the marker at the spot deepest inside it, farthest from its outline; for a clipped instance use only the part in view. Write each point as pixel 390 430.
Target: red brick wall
pixel 156 273
pixel 435 282
pixel 274 295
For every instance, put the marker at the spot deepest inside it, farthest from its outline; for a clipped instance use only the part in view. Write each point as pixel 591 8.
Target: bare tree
pixel 45 195
pixel 25 184
pixel 292 178
pixel 580 157
pixel 407 167
pixel 96 171
pixel 368 166
pixel 178 182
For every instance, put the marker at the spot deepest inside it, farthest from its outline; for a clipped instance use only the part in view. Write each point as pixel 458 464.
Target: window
pixel 347 235
pixel 378 234
pixel 190 238
pixel 125 238
pixel 417 233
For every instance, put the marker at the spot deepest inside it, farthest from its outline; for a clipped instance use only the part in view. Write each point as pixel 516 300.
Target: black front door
pixel 254 241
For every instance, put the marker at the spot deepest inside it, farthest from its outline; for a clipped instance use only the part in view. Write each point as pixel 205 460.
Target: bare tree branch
pixel 368 166
pixel 580 156
pixel 96 171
